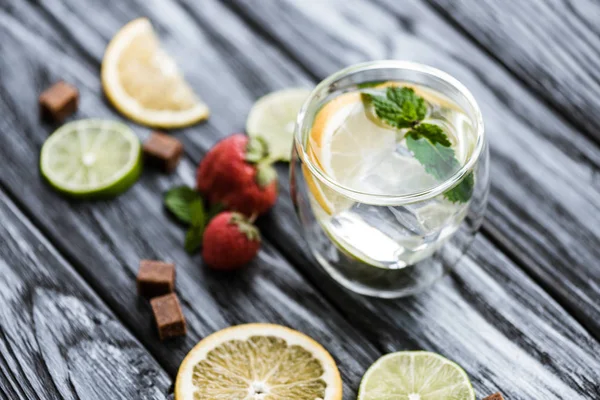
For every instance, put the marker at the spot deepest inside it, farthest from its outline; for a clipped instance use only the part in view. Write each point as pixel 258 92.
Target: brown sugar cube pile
pixel 169 317
pixel 58 101
pixel 495 396
pixel 155 278
pixel 163 151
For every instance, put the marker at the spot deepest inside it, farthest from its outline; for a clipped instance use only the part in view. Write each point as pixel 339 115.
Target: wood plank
pixel 545 202
pixel 551 46
pixel 485 319
pixel 105 240
pixel 57 338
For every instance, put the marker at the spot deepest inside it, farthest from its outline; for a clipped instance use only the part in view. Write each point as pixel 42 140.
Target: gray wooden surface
pixel 520 313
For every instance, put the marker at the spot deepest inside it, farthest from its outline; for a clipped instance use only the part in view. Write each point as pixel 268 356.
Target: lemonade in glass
pixel 389 175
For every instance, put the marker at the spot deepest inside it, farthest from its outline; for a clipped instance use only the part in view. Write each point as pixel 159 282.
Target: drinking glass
pixel 396 243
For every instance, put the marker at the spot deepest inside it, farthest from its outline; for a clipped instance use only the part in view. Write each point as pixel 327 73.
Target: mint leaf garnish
pixel 431 147
pixel 178 201
pixel 187 205
pixel 400 107
pixel 403 108
pixel 193 237
pixel 432 132
pixel 463 191
pixel 408 100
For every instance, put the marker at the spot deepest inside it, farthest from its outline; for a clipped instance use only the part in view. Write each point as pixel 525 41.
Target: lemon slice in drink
pixel 143 81
pixel 91 158
pixel 415 375
pixel 343 143
pixel 255 362
pixel 273 117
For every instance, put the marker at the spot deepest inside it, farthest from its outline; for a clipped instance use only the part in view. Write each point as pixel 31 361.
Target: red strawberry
pixel 230 241
pixel 237 174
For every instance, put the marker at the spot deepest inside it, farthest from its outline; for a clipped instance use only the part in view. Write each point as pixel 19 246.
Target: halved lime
pixel 273 117
pixel 415 375
pixel 91 158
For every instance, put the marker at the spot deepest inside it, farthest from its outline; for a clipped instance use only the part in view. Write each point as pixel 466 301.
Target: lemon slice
pixel 91 158
pixel 143 81
pixel 343 143
pixel 273 117
pixel 258 362
pixel 415 375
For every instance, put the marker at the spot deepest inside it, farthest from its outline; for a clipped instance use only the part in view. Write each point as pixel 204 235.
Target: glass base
pixel 381 282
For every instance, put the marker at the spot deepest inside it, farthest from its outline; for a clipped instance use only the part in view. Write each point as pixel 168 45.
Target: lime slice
pixel 91 158
pixel 273 117
pixel 415 375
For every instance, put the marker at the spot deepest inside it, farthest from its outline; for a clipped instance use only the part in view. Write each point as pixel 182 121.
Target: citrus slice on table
pixel 415 375
pixel 273 117
pixel 91 158
pixel 143 81
pixel 256 362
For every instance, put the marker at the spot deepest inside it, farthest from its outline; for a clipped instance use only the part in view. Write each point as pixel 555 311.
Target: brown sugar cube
pixel 58 101
pixel 155 278
pixel 168 315
pixel 495 396
pixel 164 151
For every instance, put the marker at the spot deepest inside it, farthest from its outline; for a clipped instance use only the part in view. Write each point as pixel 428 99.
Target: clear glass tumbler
pixel 391 229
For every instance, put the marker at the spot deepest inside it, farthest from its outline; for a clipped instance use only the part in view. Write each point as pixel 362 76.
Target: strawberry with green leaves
pixel 238 174
pixel 230 241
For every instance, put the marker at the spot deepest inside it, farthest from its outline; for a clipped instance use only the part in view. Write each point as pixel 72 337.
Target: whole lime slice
pixel 273 117
pixel 91 158
pixel 415 375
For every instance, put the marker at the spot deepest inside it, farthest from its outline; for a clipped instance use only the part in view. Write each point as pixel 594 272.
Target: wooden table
pixel 521 313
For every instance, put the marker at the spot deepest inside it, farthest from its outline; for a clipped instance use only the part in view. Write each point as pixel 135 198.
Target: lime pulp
pixel 415 375
pixel 91 158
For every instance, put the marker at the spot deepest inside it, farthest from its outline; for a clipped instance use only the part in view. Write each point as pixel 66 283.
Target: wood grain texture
pixel 57 339
pixel 552 46
pixel 105 240
pixel 488 316
pixel 545 202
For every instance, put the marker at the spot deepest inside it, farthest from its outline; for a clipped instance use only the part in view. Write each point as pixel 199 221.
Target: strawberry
pixel 230 241
pixel 238 174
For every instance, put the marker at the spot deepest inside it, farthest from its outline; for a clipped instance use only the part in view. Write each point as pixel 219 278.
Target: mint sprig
pixel 400 107
pixel 403 108
pixel 186 204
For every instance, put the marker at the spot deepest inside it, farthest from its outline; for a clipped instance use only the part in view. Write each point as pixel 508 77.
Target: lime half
pixel 415 375
pixel 91 158
pixel 273 117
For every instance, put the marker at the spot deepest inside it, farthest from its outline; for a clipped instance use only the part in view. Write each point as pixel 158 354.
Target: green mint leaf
pixel 432 132
pixel 197 214
pixel 193 239
pixel 431 147
pixel 400 107
pixel 408 101
pixel 390 113
pixel 438 160
pixel 178 201
pixel 462 192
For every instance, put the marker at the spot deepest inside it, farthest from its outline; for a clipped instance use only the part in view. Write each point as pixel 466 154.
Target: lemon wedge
pixel 143 82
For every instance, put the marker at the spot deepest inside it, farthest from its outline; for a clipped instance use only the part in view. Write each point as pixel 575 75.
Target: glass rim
pixel 374 198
